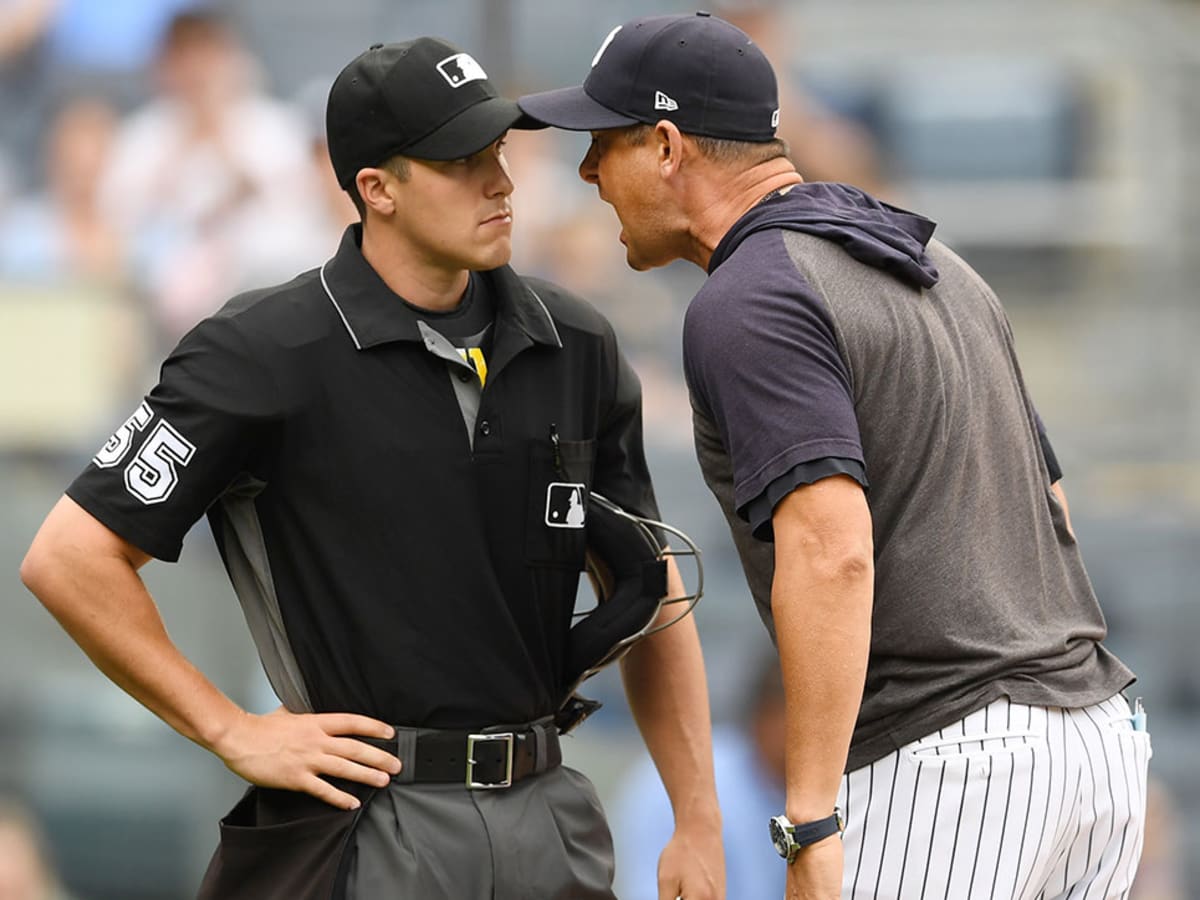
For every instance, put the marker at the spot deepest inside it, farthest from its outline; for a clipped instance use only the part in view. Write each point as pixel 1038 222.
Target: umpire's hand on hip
pixel 292 751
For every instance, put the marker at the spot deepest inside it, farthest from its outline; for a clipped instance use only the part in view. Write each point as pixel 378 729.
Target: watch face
pixel 780 837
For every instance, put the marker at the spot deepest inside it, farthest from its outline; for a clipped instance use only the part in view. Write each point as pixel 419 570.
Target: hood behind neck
pixel 875 233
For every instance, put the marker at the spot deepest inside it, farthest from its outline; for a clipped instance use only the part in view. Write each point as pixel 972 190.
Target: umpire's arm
pixel 87 576
pixel 668 695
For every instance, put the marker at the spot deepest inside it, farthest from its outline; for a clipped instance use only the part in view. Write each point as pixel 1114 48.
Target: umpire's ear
pixel 377 187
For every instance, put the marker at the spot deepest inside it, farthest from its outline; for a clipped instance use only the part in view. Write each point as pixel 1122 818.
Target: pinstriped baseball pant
pixel 1011 802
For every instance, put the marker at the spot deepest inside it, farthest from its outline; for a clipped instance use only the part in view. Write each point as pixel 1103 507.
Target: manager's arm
pixel 821 601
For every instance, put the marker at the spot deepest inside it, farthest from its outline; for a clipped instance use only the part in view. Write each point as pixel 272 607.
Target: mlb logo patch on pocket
pixel 565 505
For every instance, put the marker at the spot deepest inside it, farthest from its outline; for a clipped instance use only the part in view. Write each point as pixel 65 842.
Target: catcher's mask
pixel 627 563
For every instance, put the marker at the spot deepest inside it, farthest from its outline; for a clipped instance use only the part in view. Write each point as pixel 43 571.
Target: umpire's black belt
pixel 493 757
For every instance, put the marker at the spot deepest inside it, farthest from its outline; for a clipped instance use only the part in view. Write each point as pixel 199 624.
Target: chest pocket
pixel 555 523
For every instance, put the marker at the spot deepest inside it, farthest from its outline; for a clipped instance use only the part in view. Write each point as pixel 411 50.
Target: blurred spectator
pixel 824 145
pixel 749 764
pixel 209 183
pixel 22 23
pixel 1160 874
pixel 51 49
pixel 62 285
pixel 334 208
pixel 6 179
pixel 110 39
pixel 25 872
pixel 58 234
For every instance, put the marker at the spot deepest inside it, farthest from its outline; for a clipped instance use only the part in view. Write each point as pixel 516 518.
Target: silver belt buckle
pixel 472 739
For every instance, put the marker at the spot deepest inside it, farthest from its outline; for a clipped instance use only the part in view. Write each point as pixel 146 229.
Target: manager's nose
pixel 587 166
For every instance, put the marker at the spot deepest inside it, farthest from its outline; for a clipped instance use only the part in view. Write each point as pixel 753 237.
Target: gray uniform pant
pixel 544 838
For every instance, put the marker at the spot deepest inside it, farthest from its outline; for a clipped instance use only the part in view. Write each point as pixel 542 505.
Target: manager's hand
pixel 293 751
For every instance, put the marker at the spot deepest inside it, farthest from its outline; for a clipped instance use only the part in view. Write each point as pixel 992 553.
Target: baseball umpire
pixel 861 417
pixel 395 452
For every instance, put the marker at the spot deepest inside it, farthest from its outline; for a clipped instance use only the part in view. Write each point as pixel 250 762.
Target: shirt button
pixel 465 376
pixel 485 428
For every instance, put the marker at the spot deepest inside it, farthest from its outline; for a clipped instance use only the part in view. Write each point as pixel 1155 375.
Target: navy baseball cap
pixel 698 71
pixel 424 98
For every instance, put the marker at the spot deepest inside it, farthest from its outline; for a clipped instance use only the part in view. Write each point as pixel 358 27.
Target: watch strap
pixel 811 832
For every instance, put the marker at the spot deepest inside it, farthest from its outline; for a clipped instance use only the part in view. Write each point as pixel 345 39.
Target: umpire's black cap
pixel 698 71
pixel 424 98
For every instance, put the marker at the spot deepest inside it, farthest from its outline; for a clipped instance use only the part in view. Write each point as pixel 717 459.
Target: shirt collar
pixel 373 314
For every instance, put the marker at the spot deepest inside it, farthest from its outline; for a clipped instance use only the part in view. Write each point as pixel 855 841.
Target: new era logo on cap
pixel 662 101
pixel 460 69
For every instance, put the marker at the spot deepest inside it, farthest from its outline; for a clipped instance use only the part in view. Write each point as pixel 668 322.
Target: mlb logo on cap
pixel 460 69
pixel 565 506
pixel 424 98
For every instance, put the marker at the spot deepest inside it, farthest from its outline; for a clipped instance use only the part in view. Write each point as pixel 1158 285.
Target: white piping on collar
pixel 549 318
pixel 358 344
pixel 333 300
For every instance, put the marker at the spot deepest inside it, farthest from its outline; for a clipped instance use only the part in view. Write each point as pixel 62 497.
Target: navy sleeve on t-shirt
pixel 761 360
pixel 761 509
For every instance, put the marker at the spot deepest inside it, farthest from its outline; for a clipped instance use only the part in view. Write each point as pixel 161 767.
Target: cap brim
pixel 471 130
pixel 573 109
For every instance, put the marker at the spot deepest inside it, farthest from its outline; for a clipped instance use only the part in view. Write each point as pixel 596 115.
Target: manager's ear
pixel 668 141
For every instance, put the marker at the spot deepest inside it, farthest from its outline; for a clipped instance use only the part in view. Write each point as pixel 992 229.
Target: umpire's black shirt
pixel 387 564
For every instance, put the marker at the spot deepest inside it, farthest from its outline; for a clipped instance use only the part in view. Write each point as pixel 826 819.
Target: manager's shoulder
pixel 714 305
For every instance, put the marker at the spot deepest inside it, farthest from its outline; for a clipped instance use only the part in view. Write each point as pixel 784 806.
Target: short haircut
pixel 721 151
pixel 397 165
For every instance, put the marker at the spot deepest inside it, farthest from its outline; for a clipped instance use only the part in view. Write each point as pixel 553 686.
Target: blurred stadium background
pixel 1055 144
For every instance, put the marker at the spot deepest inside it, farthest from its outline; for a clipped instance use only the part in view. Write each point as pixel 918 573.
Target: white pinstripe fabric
pixel 1011 803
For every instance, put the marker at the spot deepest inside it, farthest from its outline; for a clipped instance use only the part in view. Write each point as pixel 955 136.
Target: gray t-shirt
pixel 828 335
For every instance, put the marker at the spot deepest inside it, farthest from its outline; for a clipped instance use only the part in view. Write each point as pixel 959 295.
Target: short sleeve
pixel 184 444
pixel 760 511
pixel 762 361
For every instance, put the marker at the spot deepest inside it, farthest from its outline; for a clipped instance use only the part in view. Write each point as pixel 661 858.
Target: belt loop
pixel 539 747
pixel 406 751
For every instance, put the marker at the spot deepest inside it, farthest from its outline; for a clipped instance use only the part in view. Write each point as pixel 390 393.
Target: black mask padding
pixel 639 583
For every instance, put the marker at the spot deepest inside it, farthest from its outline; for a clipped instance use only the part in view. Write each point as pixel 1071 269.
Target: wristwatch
pixel 789 839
